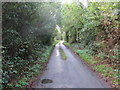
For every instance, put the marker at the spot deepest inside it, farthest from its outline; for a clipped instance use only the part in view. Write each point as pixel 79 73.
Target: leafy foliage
pixel 95 28
pixel 27 32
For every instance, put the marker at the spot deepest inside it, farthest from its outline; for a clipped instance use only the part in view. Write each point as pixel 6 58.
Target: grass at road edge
pixel 106 71
pixel 62 53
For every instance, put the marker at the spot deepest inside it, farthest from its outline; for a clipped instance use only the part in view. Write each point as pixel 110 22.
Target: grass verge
pixel 108 73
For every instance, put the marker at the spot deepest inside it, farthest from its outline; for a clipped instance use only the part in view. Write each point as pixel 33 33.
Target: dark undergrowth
pixel 28 74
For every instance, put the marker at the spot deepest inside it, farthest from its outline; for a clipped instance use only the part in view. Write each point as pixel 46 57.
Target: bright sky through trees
pixel 58 28
pixel 84 2
pixel 66 1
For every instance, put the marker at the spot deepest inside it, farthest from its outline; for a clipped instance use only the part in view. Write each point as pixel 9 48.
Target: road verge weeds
pixel 106 71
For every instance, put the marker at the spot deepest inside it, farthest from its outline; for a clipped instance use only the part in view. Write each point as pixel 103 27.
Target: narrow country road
pixel 70 73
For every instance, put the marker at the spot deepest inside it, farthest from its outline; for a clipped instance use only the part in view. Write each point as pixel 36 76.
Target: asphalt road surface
pixel 70 73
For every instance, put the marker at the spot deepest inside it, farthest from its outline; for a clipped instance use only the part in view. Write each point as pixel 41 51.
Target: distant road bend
pixel 70 73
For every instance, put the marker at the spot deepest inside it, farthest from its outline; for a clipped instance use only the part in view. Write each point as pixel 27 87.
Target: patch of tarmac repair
pixel 45 81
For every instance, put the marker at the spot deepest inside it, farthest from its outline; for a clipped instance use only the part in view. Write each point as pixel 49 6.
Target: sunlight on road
pixel 58 53
pixel 57 45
